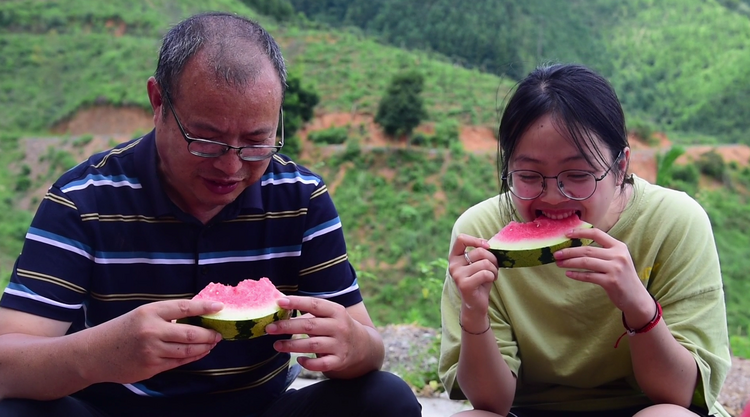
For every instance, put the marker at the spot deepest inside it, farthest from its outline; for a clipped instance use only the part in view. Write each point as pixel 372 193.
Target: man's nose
pixel 230 162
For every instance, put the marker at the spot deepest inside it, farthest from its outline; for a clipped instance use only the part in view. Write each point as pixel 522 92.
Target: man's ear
pixel 155 98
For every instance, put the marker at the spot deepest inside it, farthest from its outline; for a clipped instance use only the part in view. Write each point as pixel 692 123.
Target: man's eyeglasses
pixel 212 149
pixel 573 184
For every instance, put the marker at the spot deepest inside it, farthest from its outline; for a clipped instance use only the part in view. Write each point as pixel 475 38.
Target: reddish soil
pixel 107 120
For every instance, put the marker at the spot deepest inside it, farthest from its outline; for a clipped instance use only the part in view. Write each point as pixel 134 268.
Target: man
pixel 121 243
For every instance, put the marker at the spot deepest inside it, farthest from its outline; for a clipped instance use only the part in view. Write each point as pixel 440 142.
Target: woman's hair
pixel 581 103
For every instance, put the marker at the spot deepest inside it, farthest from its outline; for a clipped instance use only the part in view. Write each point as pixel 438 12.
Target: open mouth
pixel 557 215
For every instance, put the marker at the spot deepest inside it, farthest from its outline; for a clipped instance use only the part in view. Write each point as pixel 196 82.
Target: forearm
pixel 371 355
pixel 664 369
pixel 483 374
pixel 41 368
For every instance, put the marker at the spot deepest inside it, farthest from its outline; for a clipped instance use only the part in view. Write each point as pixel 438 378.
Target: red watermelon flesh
pixel 249 299
pixel 539 233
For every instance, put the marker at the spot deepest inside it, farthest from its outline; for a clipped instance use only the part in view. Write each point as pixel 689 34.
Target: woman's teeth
pixel 558 216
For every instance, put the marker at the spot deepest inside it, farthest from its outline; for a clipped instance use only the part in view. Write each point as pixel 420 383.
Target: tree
pixel 299 105
pixel 402 109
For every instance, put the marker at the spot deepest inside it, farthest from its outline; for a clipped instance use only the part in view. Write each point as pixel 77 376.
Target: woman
pixel 634 324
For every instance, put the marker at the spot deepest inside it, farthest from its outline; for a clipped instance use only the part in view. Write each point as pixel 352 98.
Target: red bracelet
pixel 650 325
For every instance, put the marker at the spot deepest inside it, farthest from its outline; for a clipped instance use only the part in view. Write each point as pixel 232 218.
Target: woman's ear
pixel 623 165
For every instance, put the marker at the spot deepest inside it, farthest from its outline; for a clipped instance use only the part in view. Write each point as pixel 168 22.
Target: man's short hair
pixel 225 38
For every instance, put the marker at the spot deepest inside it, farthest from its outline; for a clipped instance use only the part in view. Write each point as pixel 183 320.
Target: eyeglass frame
pixel 189 139
pixel 559 187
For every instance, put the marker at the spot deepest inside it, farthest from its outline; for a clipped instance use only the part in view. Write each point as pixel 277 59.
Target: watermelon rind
pixel 533 252
pixel 233 329
pixel 522 258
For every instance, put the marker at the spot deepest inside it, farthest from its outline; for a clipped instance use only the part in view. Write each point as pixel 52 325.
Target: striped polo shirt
pixel 107 239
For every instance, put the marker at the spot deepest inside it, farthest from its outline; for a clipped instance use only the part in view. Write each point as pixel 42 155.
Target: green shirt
pixel 558 334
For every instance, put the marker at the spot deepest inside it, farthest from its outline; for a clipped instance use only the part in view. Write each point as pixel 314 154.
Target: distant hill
pixel 681 65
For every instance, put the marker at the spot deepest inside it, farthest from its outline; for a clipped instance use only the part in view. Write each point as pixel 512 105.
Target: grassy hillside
pixel 61 56
pixel 397 205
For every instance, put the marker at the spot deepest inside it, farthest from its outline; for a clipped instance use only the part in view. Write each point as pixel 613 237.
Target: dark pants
pixel 376 394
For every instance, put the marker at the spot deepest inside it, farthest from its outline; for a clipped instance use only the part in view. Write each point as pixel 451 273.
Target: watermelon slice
pixel 520 245
pixel 248 308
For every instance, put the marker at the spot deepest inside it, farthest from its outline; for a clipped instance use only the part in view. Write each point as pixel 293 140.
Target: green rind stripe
pixel 238 329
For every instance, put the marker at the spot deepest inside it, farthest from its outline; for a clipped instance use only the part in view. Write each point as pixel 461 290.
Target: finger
pixel 320 364
pixel 586 276
pixel 317 345
pixel 186 350
pixel 318 307
pixel 584 252
pixel 474 280
pixel 464 241
pixel 190 334
pixel 309 325
pixel 481 254
pixel 589 263
pixel 597 235
pixel 178 309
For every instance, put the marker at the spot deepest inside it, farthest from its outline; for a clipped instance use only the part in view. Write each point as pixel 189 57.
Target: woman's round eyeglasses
pixel 212 149
pixel 573 183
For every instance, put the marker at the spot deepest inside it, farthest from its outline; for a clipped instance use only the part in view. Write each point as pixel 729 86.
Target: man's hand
pixel 146 341
pixel 343 346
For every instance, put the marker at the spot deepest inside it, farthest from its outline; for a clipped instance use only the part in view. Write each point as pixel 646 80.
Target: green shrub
pixel 446 133
pixel 23 182
pixel 684 178
pixel 712 165
pixel 292 146
pixel 330 136
pixel 643 130
pixel 83 141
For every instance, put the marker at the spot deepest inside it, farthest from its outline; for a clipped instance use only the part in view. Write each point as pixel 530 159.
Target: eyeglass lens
pixel 212 149
pixel 576 185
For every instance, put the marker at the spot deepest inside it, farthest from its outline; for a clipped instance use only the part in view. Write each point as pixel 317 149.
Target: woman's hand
pixel 611 267
pixel 473 271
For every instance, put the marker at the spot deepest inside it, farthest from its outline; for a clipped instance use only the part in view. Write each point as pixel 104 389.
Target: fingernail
pixel 217 306
pixel 271 328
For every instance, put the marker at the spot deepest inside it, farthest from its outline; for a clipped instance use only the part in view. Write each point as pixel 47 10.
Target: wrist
pixel 473 327
pixel 644 328
pixel 640 314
